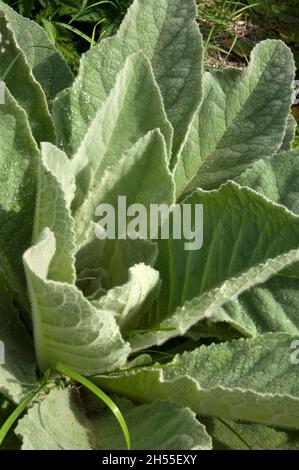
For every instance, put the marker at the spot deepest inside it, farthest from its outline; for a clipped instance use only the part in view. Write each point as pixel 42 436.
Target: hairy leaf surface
pixel 241 117
pixel 251 379
pixel 65 424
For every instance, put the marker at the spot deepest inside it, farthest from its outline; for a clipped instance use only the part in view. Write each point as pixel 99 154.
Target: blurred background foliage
pixel 74 25
pixel 230 28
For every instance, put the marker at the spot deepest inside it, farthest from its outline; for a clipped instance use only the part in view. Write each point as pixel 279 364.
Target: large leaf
pixel 53 211
pixel 133 108
pixel 166 31
pixel 60 422
pixel 254 380
pixel 17 75
pixel 241 119
pixel 19 160
pixel 18 373
pixel 271 306
pixel 246 240
pixel 67 328
pixel 46 64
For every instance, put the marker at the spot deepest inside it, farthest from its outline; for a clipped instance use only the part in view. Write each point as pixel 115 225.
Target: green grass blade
pixel 102 2
pixel 84 8
pixel 231 47
pixel 10 66
pixel 246 7
pixel 17 413
pixel 209 39
pixel 75 31
pixel 100 394
pixel 94 31
pixel 22 407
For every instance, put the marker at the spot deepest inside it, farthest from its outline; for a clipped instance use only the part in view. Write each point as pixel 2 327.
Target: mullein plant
pixel 190 349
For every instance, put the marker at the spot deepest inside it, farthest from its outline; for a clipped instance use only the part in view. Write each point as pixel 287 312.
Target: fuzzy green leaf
pixel 17 75
pixel 242 118
pixel 48 67
pixel 247 240
pixel 277 178
pixel 141 175
pixel 19 160
pixel 67 328
pixel 272 306
pixel 59 422
pixel 52 211
pixel 254 380
pixel 129 301
pixel 18 373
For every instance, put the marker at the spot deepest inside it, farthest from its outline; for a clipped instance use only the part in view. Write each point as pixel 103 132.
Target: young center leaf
pixel 55 191
pixel 67 328
pixel 133 108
